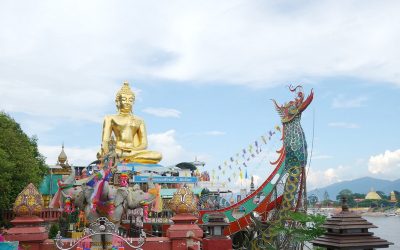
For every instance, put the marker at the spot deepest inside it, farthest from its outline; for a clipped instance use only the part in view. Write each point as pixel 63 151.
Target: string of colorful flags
pixel 239 161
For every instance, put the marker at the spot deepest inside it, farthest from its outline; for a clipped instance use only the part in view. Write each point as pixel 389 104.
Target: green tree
pixel 358 196
pixel 350 197
pixel 344 192
pixel 20 161
pixel 304 228
pixel 53 231
pixel 326 200
pixel 383 195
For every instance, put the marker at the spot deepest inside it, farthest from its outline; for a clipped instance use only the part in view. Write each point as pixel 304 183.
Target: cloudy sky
pixel 204 73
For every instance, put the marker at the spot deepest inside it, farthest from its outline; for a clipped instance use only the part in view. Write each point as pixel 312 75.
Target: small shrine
pixel 348 230
pixel 184 233
pixel 28 228
pixel 215 230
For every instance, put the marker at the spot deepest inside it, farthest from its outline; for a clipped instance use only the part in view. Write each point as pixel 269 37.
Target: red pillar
pixel 184 233
pixel 28 231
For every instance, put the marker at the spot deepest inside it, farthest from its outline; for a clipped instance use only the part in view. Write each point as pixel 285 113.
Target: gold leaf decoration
pixel 29 202
pixel 183 201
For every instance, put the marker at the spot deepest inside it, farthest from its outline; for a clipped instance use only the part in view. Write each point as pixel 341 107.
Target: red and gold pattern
pixel 29 202
pixel 183 201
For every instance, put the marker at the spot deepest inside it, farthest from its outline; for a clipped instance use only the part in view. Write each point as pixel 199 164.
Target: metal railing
pixel 102 226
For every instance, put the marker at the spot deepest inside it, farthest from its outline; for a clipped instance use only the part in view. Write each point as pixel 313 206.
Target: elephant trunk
pixel 130 201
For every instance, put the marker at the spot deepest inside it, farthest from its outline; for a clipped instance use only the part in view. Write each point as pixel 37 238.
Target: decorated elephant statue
pixel 98 198
pixel 114 202
pixel 72 195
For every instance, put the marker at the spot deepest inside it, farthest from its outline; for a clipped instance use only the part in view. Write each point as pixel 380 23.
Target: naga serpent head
pixel 290 110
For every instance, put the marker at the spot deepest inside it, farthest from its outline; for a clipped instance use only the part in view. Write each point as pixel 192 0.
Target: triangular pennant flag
pixel 264 139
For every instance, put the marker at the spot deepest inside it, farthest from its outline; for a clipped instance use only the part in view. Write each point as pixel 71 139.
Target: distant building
pixel 252 188
pixel 372 195
pixel 393 197
pixel 57 172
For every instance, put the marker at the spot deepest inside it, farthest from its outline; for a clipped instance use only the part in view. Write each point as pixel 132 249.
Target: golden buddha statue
pixel 129 131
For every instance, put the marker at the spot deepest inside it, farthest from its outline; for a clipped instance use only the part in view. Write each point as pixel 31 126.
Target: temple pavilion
pixel 348 230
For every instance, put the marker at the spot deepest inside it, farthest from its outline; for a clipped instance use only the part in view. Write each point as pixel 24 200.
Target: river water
pixel 388 229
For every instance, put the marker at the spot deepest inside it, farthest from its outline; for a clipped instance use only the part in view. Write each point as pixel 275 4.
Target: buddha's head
pixel 124 99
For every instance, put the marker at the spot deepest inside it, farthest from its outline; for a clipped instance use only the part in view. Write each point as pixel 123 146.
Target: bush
pixel 54 228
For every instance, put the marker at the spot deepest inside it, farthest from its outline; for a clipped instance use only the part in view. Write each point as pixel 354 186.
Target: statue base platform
pixel 28 231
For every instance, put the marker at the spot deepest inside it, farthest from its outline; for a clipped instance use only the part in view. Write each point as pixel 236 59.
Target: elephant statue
pixel 113 202
pixel 71 194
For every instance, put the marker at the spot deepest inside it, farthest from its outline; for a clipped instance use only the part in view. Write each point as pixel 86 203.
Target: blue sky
pixel 204 74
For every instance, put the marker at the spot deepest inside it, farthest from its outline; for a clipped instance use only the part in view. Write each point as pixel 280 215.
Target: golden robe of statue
pixel 129 131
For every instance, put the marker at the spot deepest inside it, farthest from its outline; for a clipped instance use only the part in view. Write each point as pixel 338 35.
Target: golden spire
pixel 62 158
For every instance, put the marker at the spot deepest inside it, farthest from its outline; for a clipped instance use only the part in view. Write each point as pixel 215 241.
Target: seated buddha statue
pixel 128 131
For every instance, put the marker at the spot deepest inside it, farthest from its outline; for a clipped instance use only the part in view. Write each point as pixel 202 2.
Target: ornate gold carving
pixel 183 201
pixel 29 202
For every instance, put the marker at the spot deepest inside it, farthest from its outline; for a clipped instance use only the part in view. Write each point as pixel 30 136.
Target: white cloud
pixel 318 156
pixel 342 101
pixel 386 164
pixel 166 143
pixel 77 156
pixel 238 42
pixel 215 133
pixel 321 178
pixel 37 126
pixel 265 43
pixel 163 112
pixel 63 58
pixel 344 125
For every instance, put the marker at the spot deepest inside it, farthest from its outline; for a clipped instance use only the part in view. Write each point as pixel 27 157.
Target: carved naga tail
pixel 294 144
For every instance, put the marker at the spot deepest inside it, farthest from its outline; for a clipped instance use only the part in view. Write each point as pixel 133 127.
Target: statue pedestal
pixel 28 231
pixel 184 233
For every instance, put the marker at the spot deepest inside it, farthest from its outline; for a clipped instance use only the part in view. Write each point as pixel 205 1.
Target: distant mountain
pixel 361 185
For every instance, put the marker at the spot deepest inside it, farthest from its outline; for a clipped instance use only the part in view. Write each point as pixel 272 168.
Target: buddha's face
pixel 125 102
